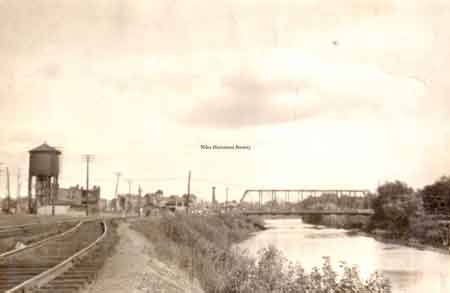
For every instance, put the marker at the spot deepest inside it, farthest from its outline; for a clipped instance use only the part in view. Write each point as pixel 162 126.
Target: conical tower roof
pixel 45 148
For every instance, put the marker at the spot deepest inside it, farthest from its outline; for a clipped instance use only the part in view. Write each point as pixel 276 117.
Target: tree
pixel 392 189
pixel 159 193
pixel 436 196
pixel 394 205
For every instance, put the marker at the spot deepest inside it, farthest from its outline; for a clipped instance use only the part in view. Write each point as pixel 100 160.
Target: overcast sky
pixel 326 95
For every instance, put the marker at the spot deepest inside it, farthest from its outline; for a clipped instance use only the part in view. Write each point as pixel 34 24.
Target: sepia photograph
pixel 225 146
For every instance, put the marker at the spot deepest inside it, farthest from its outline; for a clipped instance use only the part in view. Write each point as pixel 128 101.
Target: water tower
pixel 44 168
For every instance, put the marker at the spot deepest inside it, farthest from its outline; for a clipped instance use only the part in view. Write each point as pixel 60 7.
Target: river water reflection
pixel 410 270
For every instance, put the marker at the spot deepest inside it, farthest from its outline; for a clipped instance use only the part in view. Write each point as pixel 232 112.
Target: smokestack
pixel 213 195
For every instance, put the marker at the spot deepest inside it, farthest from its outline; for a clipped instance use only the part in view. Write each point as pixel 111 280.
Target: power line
pixel 220 182
pixel 139 179
pixel 162 179
pixel 167 179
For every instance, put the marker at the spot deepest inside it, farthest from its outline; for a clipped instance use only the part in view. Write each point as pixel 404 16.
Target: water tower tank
pixel 44 161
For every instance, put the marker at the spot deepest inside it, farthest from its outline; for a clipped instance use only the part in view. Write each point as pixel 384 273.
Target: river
pixel 410 270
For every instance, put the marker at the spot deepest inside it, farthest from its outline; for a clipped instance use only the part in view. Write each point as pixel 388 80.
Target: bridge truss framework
pixel 289 194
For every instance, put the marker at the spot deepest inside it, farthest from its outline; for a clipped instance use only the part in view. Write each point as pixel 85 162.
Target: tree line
pixel 400 212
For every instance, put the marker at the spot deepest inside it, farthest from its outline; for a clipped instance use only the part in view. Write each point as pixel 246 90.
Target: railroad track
pixel 62 263
pixel 30 228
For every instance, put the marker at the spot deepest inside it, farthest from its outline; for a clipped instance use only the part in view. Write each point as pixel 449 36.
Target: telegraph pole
pixel 19 184
pixel 88 158
pixel 226 199
pixel 0 176
pixel 8 190
pixel 118 174
pixel 130 183
pixel 139 200
pixel 188 197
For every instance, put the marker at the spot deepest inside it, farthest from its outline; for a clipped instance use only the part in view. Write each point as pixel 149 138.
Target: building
pixel 72 200
pixel 175 204
pixel 130 203
pixel 154 203
pixel 103 205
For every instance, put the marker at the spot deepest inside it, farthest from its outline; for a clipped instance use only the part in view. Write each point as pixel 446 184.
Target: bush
pixel 203 245
pixel 273 273
pixel 395 208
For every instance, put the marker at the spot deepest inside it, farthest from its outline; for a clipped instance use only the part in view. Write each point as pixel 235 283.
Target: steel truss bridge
pixel 286 202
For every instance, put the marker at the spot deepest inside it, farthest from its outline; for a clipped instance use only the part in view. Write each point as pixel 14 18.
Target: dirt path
pixel 133 269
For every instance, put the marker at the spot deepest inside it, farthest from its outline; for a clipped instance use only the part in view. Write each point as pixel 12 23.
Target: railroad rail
pixel 39 243
pixel 59 263
pixel 19 230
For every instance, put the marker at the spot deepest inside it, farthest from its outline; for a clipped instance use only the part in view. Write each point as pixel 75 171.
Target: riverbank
pixel 409 270
pixel 338 221
pixel 405 242
pixel 360 226
pixel 204 248
pixel 201 246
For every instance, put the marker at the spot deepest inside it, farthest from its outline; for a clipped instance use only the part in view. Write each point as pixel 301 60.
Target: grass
pixel 203 247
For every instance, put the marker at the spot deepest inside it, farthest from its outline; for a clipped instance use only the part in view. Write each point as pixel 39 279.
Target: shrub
pixel 203 246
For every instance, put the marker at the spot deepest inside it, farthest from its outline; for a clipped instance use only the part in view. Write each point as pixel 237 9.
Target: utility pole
pixel 130 183
pixel 226 199
pixel 213 199
pixel 139 200
pixel 88 158
pixel 8 190
pixel 1 207
pixel 0 176
pixel 118 174
pixel 188 196
pixel 19 184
